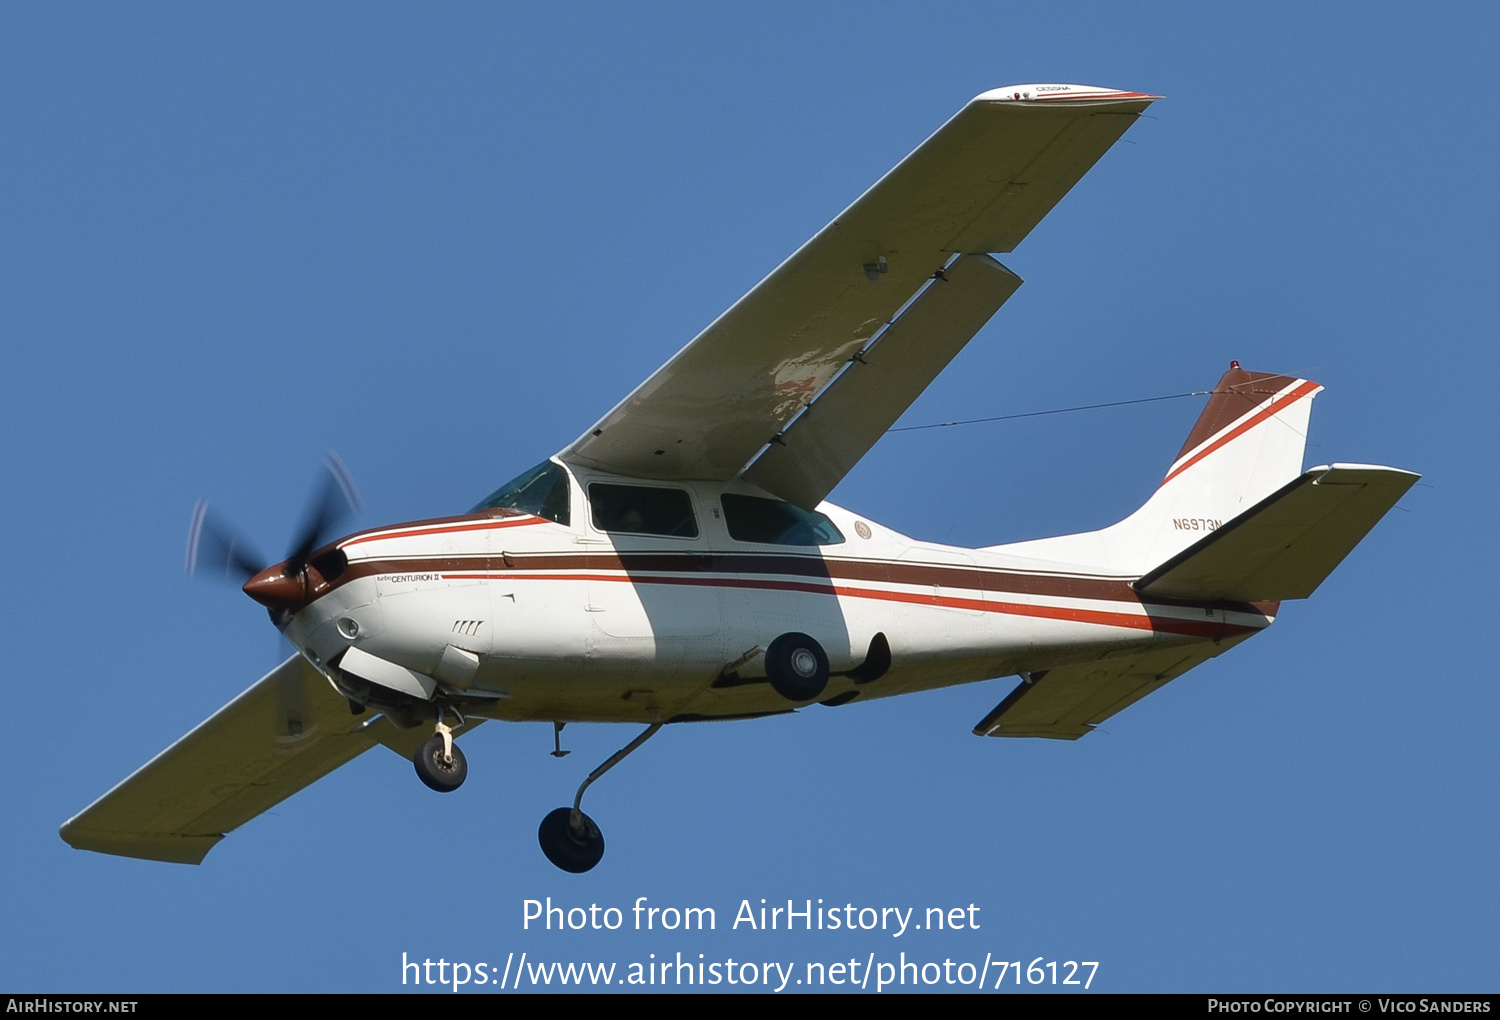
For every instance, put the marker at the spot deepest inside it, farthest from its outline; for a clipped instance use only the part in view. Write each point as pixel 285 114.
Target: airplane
pixel 678 562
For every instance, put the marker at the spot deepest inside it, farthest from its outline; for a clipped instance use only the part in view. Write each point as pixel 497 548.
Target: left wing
pixel 979 184
pixel 288 730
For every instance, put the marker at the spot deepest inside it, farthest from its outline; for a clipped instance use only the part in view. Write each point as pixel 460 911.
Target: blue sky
pixel 443 241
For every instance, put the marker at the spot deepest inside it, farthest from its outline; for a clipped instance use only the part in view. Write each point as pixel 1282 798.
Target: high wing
pixel 978 185
pixel 288 730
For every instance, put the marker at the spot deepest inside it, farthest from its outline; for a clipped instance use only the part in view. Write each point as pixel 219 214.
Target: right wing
pixel 288 730
pixel 979 184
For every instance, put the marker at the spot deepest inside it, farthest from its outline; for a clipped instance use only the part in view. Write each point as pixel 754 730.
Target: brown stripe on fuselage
pixel 499 517
pixel 740 565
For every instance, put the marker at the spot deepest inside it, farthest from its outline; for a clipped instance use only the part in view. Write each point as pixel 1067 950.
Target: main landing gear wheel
pixel 437 769
pixel 574 850
pixel 569 838
pixel 797 667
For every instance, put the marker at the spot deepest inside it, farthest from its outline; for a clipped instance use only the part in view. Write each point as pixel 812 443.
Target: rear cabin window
pixel 752 519
pixel 642 510
pixel 543 492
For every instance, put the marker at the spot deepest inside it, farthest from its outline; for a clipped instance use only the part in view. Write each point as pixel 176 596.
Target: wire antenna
pixel 1055 410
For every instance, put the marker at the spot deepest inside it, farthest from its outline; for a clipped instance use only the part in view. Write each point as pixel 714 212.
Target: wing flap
pixel 1284 546
pixel 980 183
pixel 287 730
pixel 839 428
pixel 1068 702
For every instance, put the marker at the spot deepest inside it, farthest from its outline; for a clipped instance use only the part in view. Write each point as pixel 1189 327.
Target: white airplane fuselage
pixel 512 616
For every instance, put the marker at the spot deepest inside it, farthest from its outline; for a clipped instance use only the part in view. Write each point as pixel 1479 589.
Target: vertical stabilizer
pixel 1255 428
pixel 1247 444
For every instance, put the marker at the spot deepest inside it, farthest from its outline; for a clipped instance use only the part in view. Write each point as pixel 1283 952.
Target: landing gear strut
pixel 440 764
pixel 569 838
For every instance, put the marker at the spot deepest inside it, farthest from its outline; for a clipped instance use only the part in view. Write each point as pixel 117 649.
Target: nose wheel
pixel 568 837
pixel 440 764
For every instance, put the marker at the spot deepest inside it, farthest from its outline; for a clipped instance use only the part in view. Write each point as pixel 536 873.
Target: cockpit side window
pixel 642 510
pixel 752 519
pixel 543 492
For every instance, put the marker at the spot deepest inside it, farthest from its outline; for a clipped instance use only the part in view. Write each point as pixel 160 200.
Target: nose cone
pixel 277 588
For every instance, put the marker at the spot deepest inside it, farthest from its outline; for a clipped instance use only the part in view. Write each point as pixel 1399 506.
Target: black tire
pixel 566 850
pixel 434 772
pixel 797 667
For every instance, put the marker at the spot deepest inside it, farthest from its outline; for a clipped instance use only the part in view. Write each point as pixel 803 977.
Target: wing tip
pixel 1053 92
pixel 1375 469
pixel 171 849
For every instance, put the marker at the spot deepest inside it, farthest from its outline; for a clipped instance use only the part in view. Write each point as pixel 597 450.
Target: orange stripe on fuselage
pixel 1132 621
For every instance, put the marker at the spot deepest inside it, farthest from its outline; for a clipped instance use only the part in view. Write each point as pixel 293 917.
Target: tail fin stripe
pixel 1271 409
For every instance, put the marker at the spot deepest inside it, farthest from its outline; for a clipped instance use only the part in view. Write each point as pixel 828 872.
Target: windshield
pixel 543 491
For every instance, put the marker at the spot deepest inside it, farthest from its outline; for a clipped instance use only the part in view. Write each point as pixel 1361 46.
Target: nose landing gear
pixel 440 764
pixel 568 837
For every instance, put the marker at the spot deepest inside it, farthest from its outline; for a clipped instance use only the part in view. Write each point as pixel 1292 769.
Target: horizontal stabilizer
pixel 1067 702
pixel 1284 546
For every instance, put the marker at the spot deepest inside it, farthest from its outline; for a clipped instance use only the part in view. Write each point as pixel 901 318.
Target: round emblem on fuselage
pixel 862 529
